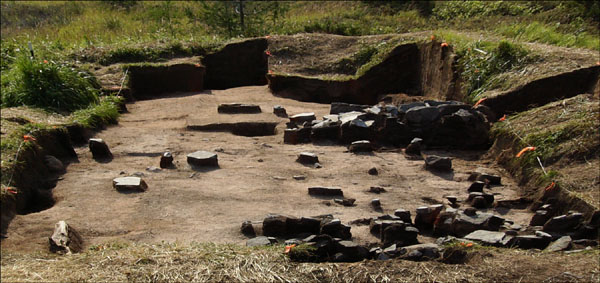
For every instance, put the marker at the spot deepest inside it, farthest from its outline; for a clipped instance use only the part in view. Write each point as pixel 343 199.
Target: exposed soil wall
pixel 148 81
pixel 425 69
pixel 545 90
pixel 237 64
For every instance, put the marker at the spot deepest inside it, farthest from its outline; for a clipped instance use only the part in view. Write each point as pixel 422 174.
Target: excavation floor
pixel 255 178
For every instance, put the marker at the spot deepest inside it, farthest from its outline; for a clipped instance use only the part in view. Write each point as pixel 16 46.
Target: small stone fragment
pixel 307 158
pixel 376 203
pixel 361 146
pixel 303 117
pixel 125 184
pixel 99 149
pixel 377 190
pixel 166 160
pixel 325 191
pixel 438 163
pixel 279 111
pixel 238 108
pixel 299 177
pixel 477 186
pixel 373 171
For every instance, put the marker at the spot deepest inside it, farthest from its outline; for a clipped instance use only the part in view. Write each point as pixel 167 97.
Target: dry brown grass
pixel 212 262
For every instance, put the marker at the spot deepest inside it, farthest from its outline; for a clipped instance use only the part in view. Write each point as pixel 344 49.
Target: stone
pixel 53 164
pixel 452 199
pixel 274 225
pixel 303 117
pixel 296 226
pixel 65 239
pixel 413 149
pixel 443 224
pixel 238 108
pixel 341 107
pixel 377 190
pixel 299 177
pixel 532 242
pixel 166 160
pixel 464 224
pixel 248 229
pixel 336 229
pixel 447 109
pixel 563 223
pixel 279 111
pixel 325 191
pixel 438 163
pixel 404 215
pixel 400 235
pixel 488 199
pixel 345 201
pixel 296 135
pixel 354 130
pixel 426 216
pixel 595 219
pixel 485 237
pixel 470 211
pixel 479 202
pixel 203 159
pixel 260 241
pixel 539 218
pixel 561 244
pixel 307 158
pixel 421 115
pixel 127 184
pixel 476 186
pixel 99 149
pixel 585 242
pixel 373 171
pixel 420 252
pixel 376 203
pixel 325 130
pixel 361 146
pixel 351 251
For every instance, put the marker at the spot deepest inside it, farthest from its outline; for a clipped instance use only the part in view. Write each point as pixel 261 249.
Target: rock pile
pixel 437 123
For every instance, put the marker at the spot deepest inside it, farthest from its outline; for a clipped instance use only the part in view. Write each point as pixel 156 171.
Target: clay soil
pixel 255 178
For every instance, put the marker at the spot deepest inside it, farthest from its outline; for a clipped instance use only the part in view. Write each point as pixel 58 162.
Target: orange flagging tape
pixel 550 187
pixel 529 148
pixel 289 248
pixel 503 118
pixel 268 53
pixel 432 37
pixel 479 102
pixel 28 138
pixel 444 44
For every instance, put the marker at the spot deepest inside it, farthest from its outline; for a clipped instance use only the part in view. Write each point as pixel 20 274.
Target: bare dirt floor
pixel 255 178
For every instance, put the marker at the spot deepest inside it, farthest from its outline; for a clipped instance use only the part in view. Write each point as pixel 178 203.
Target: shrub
pixel 48 85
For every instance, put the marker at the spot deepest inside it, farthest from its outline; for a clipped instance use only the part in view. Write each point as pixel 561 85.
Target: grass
pixel 224 262
pixel 539 32
pixel 48 85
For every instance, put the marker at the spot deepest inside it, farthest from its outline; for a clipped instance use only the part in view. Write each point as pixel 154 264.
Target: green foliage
pixel 480 66
pixel 97 115
pixel 453 10
pixel 539 32
pixel 242 18
pixel 304 253
pixel 48 85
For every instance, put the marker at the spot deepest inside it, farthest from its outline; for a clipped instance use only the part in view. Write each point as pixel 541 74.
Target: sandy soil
pixel 254 178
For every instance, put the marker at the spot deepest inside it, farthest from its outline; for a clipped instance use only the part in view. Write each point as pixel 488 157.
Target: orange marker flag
pixel 289 248
pixel 432 37
pixel 444 44
pixel 479 102
pixel 28 138
pixel 503 118
pixel 550 187
pixel 529 148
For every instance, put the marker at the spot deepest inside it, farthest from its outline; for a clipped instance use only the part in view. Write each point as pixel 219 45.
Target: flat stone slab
pixel 361 146
pixel 307 158
pixel 238 108
pixel 128 184
pixel 203 159
pixel 325 191
pixel 487 237
pixel 303 117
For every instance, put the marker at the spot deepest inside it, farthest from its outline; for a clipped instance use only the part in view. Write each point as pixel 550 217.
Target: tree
pixel 242 17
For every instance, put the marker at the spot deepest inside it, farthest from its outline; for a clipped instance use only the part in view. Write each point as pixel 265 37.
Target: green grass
pixel 104 113
pixel 48 85
pixel 539 32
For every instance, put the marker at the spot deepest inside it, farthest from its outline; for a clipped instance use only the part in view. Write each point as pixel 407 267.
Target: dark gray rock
pixel 485 237
pixel 564 223
pixel 166 160
pixel 464 224
pixel 307 158
pixel 275 225
pixel 420 252
pixel 373 171
pixel 296 226
pixel 422 115
pixel 438 163
pixel 414 148
pixel 303 117
pixel 479 202
pixel 203 159
pixel 238 108
pixel 532 242
pixel 377 190
pixel 585 242
pixel 539 218
pixel 54 164
pixel 248 229
pixel 340 107
pixel 400 234
pixel 476 186
pixel 351 251
pixel 296 135
pixel 354 130
pixel 403 108
pixel 426 216
pixel 260 241
pixel 325 130
pixel 129 184
pixel 376 203
pixel 361 146
pixel 404 215
pixel 325 191
pixel 561 244
pixel 336 229
pixel 443 225
pixel 475 199
pixel 279 111
pixel 595 219
pixel 345 201
pixel 447 109
pixel 99 149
